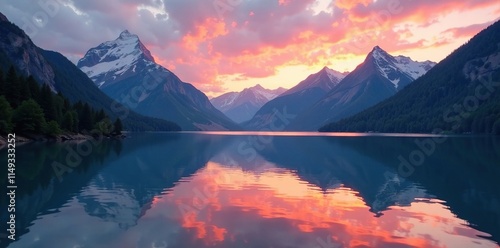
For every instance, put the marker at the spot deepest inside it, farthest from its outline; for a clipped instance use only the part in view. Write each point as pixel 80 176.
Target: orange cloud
pixel 349 4
pixel 211 28
pixel 283 2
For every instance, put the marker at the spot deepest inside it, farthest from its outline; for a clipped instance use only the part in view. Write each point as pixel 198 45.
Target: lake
pixel 258 190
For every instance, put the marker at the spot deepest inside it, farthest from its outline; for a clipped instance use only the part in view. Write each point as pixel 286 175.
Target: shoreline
pixel 29 138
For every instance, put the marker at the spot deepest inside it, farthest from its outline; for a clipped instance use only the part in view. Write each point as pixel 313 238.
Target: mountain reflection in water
pixel 214 190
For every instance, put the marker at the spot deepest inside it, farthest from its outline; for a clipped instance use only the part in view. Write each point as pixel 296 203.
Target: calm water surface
pixel 227 190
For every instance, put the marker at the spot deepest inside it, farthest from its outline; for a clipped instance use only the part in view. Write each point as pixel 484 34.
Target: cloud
pixel 467 31
pixel 203 41
pixel 349 4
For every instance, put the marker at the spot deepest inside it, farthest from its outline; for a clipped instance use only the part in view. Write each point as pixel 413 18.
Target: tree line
pixel 32 108
pixel 447 109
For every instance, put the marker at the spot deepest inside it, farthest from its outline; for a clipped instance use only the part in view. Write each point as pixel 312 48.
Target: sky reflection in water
pixel 205 190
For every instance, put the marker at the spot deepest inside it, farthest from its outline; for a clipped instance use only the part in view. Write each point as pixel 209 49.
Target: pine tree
pixel 47 103
pixel 118 126
pixel 58 107
pixel 5 116
pixel 86 119
pixel 34 88
pixel 78 106
pixel 496 127
pixel 24 91
pixel 12 92
pixel 100 116
pixel 104 126
pixel 66 105
pixel 2 83
pixel 76 121
pixel 67 122
pixel 51 128
pixel 29 117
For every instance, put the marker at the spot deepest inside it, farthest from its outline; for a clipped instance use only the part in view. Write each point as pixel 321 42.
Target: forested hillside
pixel 27 107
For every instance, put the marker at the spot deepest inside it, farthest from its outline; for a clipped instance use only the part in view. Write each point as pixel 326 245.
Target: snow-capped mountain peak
pixel 115 59
pixel 392 67
pixel 334 75
pixel 126 35
pixel 256 94
pixel 266 94
pixel 241 106
pixel 379 53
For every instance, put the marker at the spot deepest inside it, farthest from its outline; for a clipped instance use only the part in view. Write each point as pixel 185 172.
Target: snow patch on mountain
pixel 413 68
pixel 334 75
pixel 256 94
pixel 267 94
pixel 229 99
pixel 241 106
pixel 116 67
pixel 388 64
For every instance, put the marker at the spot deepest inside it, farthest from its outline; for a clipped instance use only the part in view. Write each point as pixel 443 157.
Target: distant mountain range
pixel 242 106
pixel 53 69
pixel 330 95
pixel 126 71
pixel 295 100
pixel 379 95
pixel 379 77
pixel 459 95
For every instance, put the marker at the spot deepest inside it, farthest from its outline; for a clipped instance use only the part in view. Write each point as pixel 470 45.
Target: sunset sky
pixel 228 45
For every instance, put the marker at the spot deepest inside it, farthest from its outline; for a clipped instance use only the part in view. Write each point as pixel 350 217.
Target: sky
pixel 228 45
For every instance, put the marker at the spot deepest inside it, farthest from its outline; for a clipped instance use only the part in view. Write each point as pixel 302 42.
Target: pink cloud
pixel 468 31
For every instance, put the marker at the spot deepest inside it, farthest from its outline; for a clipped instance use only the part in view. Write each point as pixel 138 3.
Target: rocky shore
pixel 27 138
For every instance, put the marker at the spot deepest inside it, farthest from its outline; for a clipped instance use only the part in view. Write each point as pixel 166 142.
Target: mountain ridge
pixel 378 77
pixel 241 106
pixel 296 99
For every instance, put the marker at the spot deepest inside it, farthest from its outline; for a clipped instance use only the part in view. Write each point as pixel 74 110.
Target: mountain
pixel 379 76
pixel 242 106
pixel 126 71
pixel 114 60
pixel 460 94
pixel 61 75
pixel 294 100
pixel 325 80
pixel 17 49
